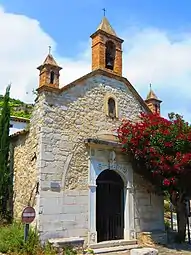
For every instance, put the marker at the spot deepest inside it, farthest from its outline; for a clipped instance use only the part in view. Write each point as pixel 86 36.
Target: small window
pixel 111 108
pixel 11 126
pixel 51 77
pixel 156 108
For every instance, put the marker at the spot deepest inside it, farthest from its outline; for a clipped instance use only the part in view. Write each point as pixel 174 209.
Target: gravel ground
pixel 174 249
pixel 177 249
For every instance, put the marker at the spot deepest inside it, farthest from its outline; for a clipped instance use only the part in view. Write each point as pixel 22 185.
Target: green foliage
pixel 18 108
pixel 5 175
pixel 166 206
pixel 167 224
pixel 69 251
pixel 12 241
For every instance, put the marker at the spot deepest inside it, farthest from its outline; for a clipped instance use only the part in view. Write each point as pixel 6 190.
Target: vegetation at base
pixel 12 241
pixel 18 108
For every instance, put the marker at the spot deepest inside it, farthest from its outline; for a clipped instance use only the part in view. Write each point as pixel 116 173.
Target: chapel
pixel 69 164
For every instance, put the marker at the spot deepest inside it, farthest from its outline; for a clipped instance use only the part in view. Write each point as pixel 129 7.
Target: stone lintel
pixel 95 141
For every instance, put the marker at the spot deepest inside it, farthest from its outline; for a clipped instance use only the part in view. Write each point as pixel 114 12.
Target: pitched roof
pixel 110 75
pixel 49 60
pixel 106 27
pixel 19 119
pixel 151 95
pixel 21 132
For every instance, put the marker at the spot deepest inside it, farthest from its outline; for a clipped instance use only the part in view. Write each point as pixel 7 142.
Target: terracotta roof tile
pixel 106 27
pixel 152 95
pixel 49 60
pixel 22 132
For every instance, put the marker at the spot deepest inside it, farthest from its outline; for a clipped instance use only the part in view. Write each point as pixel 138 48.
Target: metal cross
pixel 104 11
pixel 49 49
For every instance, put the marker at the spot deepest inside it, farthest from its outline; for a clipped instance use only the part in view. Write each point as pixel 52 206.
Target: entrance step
pixel 113 243
pixel 115 249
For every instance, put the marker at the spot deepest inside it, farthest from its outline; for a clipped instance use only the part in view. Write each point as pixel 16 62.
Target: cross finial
pixel 104 11
pixel 49 50
pixel 150 85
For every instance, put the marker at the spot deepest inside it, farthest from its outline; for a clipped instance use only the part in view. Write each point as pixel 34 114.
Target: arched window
pixel 111 108
pixel 51 77
pixel 110 55
pixel 156 108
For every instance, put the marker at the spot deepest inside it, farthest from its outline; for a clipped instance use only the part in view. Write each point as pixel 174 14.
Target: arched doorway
pixel 109 206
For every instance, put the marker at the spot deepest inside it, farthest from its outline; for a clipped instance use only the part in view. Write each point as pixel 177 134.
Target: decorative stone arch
pixel 96 167
pixel 106 105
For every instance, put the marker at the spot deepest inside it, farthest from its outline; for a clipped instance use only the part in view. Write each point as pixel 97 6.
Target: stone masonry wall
pixel 25 158
pixel 69 118
pixel 149 208
pixel 25 175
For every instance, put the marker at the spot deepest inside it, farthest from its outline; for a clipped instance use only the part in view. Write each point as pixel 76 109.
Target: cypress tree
pixel 5 180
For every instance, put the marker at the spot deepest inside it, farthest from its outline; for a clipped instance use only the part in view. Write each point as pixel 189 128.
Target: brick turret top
pixel 106 27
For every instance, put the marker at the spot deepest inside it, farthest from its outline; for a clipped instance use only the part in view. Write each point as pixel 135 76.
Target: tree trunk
pixel 179 202
pixel 181 221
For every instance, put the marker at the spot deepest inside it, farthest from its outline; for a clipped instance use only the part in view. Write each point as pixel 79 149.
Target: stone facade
pixel 73 138
pixel 63 158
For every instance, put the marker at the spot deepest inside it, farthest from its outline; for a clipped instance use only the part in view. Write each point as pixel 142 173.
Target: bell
pixel 109 65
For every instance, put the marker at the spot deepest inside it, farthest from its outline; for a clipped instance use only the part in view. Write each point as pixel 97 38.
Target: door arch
pixel 109 206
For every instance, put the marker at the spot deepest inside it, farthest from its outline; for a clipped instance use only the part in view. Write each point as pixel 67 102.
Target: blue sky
pixel 74 20
pixel 157 45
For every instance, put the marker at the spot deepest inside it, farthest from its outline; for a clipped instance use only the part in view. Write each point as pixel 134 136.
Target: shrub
pixel 167 224
pixel 166 206
pixel 12 241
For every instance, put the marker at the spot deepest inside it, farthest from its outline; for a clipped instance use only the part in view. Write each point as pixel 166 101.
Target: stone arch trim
pixel 96 167
pixel 121 174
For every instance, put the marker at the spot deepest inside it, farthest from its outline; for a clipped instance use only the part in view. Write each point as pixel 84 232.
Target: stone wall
pixel 69 118
pixel 73 116
pixel 25 162
pixel 63 214
pixel 25 175
pixel 149 208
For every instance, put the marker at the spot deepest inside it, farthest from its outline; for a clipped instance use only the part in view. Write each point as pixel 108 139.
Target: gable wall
pixel 76 115
pixel 70 118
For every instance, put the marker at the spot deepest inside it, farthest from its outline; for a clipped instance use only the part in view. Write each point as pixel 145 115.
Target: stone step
pixel 114 249
pixel 61 242
pixel 113 243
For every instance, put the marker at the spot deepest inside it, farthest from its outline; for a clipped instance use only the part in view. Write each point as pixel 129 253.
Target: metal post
pixel 171 216
pixel 188 224
pixel 26 232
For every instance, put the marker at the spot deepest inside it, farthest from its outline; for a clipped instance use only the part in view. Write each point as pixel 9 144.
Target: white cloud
pixel 152 57
pixel 149 56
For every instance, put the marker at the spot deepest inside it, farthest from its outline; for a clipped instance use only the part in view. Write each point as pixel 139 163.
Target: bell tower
pixel 49 72
pixel 106 49
pixel 153 102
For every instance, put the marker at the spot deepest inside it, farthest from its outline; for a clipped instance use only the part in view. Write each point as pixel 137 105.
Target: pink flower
pixel 166 182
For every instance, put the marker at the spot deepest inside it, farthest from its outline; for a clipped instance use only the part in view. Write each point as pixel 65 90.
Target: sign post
pixel 28 215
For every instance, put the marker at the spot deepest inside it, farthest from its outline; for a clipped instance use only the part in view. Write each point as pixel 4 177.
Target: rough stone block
pixel 144 251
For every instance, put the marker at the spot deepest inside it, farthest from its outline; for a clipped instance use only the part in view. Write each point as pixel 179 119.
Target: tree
pixel 5 176
pixel 160 150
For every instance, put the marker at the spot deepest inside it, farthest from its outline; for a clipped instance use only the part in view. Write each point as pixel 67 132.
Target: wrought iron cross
pixel 49 49
pixel 104 11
